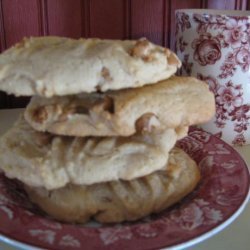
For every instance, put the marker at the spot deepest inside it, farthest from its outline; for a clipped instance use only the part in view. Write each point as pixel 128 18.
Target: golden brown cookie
pixel 45 160
pixel 49 66
pixel 118 201
pixel 173 103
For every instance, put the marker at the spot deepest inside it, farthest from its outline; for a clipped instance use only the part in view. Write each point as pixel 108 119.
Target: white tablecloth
pixel 235 236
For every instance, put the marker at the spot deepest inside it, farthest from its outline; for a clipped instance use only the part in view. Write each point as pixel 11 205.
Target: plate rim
pixel 192 242
pixel 214 230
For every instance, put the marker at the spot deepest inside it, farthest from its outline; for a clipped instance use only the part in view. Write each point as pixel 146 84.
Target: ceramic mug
pixel 214 46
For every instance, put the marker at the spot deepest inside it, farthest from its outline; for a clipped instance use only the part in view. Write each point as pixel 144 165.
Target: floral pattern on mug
pixel 183 22
pixel 217 50
pixel 239 57
pixel 229 97
pixel 207 49
pixel 229 106
pixel 182 44
pixel 186 65
pixel 235 32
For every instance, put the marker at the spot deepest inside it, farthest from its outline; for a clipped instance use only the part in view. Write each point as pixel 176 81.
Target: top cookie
pixel 51 66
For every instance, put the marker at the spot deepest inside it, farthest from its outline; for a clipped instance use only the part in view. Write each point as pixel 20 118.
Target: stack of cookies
pixel 97 139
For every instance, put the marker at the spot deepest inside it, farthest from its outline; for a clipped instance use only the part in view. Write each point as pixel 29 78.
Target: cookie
pixel 173 103
pixel 49 66
pixel 45 160
pixel 117 201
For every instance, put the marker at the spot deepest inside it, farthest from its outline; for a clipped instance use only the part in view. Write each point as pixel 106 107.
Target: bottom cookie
pixel 117 201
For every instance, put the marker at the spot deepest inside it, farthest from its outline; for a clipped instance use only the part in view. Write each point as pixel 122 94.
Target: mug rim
pixel 216 12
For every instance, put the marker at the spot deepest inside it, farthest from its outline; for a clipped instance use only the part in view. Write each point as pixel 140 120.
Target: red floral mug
pixel 214 46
